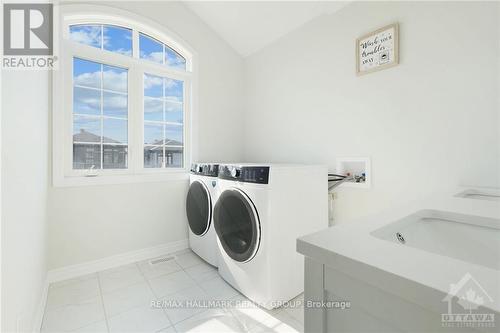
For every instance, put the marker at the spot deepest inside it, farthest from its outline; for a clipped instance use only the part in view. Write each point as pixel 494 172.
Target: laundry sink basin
pixel 469 238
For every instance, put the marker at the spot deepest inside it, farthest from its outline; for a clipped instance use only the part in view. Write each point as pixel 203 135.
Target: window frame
pixel 63 172
pixel 69 106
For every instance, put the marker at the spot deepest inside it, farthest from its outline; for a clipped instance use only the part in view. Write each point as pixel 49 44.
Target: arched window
pixel 124 87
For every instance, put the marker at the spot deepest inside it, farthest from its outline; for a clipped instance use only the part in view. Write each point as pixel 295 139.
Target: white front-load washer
pixel 200 201
pixel 260 212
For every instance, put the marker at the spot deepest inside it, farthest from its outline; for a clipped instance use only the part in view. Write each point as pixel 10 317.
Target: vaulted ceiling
pixel 248 26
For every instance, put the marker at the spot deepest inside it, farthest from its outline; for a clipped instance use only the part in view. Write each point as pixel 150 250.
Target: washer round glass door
pixel 237 225
pixel 198 208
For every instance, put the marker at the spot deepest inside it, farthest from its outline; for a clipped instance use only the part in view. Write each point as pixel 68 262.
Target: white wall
pixel 89 223
pixel 430 123
pixel 498 83
pixel 25 116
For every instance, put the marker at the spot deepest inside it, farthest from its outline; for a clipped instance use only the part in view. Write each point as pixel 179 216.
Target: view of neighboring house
pixel 87 150
pixel 170 153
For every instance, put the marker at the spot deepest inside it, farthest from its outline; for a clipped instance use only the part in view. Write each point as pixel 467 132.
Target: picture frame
pixel 377 50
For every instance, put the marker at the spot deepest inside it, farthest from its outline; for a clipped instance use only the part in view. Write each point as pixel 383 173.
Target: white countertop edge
pixel 352 240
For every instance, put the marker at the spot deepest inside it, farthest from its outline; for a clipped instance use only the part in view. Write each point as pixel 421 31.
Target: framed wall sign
pixel 377 50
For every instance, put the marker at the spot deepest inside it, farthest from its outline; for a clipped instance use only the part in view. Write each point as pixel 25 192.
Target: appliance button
pixel 235 172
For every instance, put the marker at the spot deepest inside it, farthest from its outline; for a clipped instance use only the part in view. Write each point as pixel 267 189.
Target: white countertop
pixel 352 240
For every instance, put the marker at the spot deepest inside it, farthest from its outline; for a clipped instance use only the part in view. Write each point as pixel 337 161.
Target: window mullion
pixel 163 59
pixel 136 125
pixel 102 37
pixel 135 44
pixel 102 116
pixel 67 109
pixel 164 162
pixel 135 119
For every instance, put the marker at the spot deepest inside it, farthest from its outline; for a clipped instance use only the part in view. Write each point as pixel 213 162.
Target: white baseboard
pixel 38 319
pixel 69 272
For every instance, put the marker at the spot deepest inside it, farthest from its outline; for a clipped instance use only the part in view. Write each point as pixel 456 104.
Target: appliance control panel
pixel 247 174
pixel 205 169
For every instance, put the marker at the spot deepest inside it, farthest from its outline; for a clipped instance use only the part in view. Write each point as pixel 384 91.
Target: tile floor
pixel 119 300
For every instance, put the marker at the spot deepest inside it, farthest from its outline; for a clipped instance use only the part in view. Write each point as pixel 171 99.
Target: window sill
pixel 77 181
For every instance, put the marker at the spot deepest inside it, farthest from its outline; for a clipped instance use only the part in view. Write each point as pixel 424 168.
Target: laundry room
pixel 250 166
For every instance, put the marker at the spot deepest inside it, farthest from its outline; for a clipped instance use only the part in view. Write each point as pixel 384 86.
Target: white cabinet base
pixel 373 307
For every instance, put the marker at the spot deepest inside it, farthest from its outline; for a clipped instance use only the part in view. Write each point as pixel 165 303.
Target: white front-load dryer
pixel 200 201
pixel 260 212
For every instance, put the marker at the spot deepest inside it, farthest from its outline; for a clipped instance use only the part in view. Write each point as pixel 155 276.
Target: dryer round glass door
pixel 198 208
pixel 237 225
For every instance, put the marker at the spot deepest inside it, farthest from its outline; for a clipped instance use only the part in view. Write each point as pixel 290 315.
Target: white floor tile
pixel 170 329
pixel 202 272
pixel 73 316
pixel 99 327
pixel 296 313
pixel 152 271
pixel 168 284
pixel 76 292
pixel 182 252
pixel 188 259
pixel 140 319
pixel 120 277
pixel 75 305
pixel 280 323
pixel 250 315
pixel 194 295
pixel 295 308
pixel 71 281
pixel 127 298
pixel 210 321
pixel 219 289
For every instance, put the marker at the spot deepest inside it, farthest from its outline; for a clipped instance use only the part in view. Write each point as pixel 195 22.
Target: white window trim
pixel 63 173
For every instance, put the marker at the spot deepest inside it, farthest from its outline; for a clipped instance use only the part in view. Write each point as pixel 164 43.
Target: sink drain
pixel 400 238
